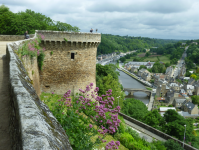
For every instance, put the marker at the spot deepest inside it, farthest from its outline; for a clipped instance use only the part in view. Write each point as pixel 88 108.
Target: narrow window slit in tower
pixel 72 55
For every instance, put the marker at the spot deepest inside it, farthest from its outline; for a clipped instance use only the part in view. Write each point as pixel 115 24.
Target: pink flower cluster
pixel 112 145
pixel 31 47
pixel 41 36
pixel 102 107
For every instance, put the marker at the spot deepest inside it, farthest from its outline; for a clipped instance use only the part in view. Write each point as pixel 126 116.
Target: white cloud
pixel 169 19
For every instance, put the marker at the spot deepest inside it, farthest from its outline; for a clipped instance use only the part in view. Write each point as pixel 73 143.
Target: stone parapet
pixel 70 36
pixel 13 37
pixel 32 124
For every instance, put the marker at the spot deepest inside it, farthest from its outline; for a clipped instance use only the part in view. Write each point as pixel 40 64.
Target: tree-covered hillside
pixel 17 23
pixel 111 43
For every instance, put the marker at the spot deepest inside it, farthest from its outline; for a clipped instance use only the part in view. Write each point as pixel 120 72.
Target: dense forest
pixel 17 23
pixel 111 43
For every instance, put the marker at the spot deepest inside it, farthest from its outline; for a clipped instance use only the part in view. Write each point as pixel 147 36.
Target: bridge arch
pixel 131 91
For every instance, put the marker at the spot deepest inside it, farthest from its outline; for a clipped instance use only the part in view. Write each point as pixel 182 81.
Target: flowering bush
pixel 87 115
pixel 32 49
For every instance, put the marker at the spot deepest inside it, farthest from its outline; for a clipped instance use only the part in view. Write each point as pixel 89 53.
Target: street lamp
pixel 118 100
pixel 184 135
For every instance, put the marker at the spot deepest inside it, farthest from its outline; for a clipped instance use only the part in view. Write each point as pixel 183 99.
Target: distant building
pixel 190 107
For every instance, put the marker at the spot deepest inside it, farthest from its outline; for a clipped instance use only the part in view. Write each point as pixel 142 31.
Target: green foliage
pixel 158 68
pixel 105 70
pixel 40 60
pixel 32 72
pixel 17 23
pixel 192 56
pixel 122 59
pixel 142 66
pixel 195 99
pixel 167 65
pixel 65 40
pixel 32 49
pixel 147 54
pixel 175 125
pixel 159 145
pixel 154 119
pixel 133 133
pixel 172 145
pixel 107 78
pixel 197 70
pixel 135 109
pixel 51 53
pixel 108 82
pixel 111 43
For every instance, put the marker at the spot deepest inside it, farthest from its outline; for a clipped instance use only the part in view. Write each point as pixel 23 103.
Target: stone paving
pixel 5 139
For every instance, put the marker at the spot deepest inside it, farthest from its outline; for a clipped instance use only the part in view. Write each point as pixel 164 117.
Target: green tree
pixel 195 99
pixel 159 145
pixel 197 70
pixel 108 82
pixel 147 54
pixel 167 65
pixel 18 23
pixel 134 108
pixel 142 66
pixel 175 125
pixel 122 59
pixel 154 119
pixel 172 145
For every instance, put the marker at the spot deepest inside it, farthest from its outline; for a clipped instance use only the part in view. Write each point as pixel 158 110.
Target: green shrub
pixel 172 145
pixel 159 145
pixel 132 132
pixel 40 60
pixel 126 138
pixel 51 53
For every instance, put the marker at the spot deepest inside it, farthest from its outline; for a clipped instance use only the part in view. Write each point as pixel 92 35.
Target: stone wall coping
pixel 50 31
pixel 157 132
pixel 38 128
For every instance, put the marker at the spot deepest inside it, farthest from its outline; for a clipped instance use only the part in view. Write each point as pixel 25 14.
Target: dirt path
pixel 5 139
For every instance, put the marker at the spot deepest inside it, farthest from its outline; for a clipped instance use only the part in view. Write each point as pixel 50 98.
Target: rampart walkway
pixel 5 139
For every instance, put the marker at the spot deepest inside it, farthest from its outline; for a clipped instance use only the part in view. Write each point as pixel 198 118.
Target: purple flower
pixel 90 125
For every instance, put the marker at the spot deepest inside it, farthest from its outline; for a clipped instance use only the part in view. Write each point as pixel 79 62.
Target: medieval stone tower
pixel 71 64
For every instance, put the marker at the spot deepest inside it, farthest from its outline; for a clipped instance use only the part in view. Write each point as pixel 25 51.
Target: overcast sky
pixel 166 19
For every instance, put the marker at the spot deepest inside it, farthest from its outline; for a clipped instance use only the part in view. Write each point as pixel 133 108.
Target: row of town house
pixel 178 94
pixel 106 56
pixel 137 65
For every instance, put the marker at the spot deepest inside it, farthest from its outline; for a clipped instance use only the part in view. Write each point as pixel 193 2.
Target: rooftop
pixel 166 108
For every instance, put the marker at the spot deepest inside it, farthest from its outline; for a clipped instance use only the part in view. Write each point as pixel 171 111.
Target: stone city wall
pixel 68 65
pixel 32 124
pixel 155 131
pixel 13 37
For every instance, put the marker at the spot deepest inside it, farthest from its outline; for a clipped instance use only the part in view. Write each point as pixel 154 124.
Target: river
pixel 129 82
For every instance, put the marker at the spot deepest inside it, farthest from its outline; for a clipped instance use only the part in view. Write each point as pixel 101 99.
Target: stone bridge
pixel 133 90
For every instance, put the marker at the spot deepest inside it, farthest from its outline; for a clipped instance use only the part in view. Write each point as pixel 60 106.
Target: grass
pixel 148 88
pixel 197 132
pixel 164 59
pixel 50 99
